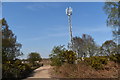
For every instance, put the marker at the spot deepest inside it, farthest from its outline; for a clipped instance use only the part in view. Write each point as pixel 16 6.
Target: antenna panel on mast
pixel 69 11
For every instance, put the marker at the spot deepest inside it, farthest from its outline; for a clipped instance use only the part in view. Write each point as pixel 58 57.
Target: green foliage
pixel 60 56
pixel 109 47
pixel 32 57
pixel 56 62
pixel 11 66
pixel 96 62
pixel 15 69
pixel 112 9
pixel 10 47
pixel 56 56
pixel 115 57
pixel 69 56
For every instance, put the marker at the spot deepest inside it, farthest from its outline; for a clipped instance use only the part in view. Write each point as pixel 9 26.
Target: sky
pixel 39 26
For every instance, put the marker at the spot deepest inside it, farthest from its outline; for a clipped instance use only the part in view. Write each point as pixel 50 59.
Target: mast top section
pixel 69 11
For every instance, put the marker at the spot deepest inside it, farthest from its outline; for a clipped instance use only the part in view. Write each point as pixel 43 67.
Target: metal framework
pixel 69 13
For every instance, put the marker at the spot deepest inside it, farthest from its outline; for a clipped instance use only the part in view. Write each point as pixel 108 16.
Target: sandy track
pixel 42 72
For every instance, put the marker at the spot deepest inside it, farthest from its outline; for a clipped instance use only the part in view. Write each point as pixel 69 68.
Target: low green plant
pixel 15 69
pixel 69 56
pixel 56 55
pixel 56 62
pixel 96 62
pixel 60 55
pixel 115 57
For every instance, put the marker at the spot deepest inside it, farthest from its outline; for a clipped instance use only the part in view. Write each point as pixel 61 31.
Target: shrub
pixel 56 56
pixel 96 62
pixel 56 62
pixel 35 66
pixel 15 69
pixel 59 57
pixel 69 56
pixel 33 57
pixel 115 57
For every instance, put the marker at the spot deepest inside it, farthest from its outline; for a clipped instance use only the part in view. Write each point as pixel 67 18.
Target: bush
pixel 15 69
pixel 60 56
pixel 35 66
pixel 56 56
pixel 115 57
pixel 56 62
pixel 69 56
pixel 33 57
pixel 96 62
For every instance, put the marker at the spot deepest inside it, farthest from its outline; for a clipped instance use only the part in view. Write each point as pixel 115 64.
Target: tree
pixel 60 56
pixel 34 56
pixel 89 45
pixel 112 9
pixel 10 47
pixel 77 46
pixel 56 55
pixel 84 46
pixel 108 47
pixel 11 66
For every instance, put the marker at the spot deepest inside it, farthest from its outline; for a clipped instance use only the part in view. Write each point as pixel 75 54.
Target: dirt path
pixel 42 72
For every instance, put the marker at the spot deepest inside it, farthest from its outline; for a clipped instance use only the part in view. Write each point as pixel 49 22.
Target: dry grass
pixel 81 70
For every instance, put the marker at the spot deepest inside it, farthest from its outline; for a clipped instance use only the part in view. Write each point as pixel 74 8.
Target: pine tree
pixel 10 47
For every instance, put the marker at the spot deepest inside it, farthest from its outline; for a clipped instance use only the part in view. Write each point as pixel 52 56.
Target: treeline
pixel 85 49
pixel 12 66
pixel 85 59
